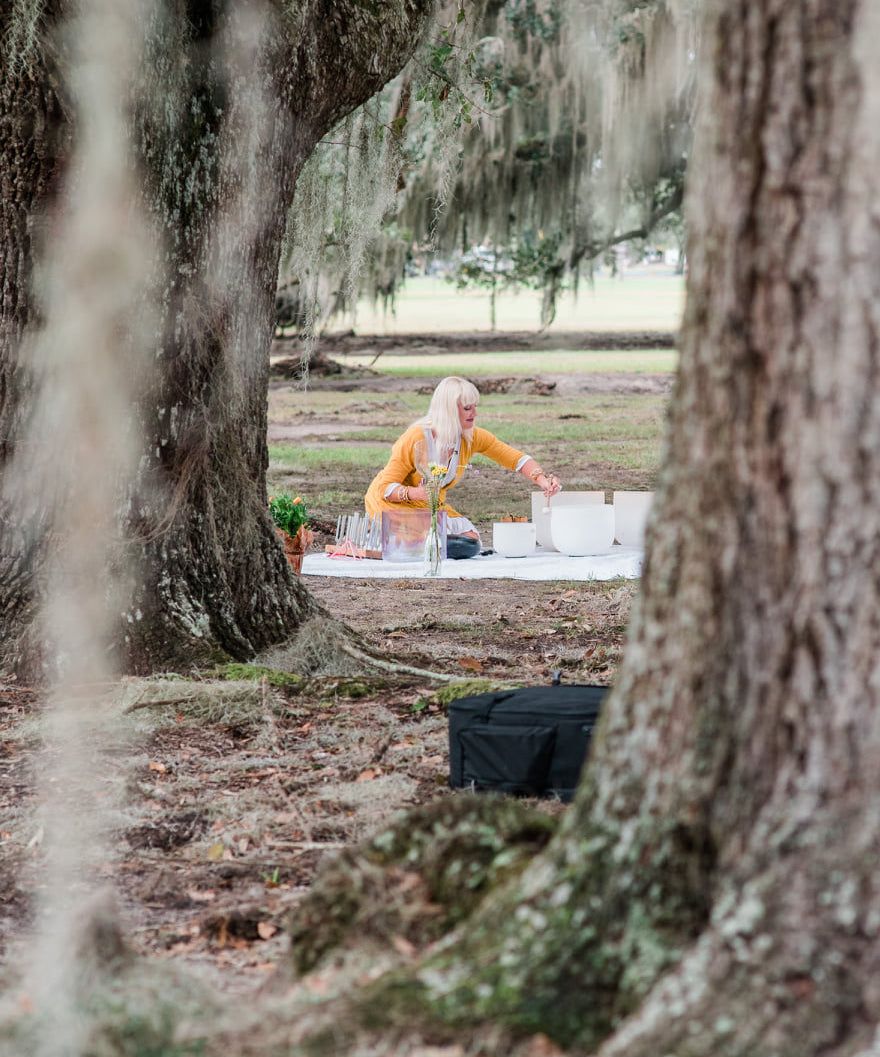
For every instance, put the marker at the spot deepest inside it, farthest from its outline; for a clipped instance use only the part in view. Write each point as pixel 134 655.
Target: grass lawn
pixel 491 364
pixel 647 298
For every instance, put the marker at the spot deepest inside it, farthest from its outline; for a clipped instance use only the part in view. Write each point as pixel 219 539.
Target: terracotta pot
pixel 296 546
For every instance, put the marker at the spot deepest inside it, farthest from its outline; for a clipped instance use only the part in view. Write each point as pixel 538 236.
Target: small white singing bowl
pixel 513 539
pixel 579 530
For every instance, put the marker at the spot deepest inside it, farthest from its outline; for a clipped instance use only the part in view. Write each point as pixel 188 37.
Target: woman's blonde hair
pixel 442 414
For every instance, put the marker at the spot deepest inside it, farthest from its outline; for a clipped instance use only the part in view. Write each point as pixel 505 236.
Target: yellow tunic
pixel 401 467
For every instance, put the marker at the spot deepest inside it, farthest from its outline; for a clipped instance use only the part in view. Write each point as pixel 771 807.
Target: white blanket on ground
pixel 619 562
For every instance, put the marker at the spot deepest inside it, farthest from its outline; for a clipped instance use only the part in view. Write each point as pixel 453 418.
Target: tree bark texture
pixel 234 99
pixel 32 141
pixel 713 892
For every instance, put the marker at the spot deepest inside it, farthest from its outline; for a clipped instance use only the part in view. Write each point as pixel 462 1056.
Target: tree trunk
pixel 232 108
pixel 712 892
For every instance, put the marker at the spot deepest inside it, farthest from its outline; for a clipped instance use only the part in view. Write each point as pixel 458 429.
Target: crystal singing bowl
pixel 542 519
pixel 587 529
pixel 513 539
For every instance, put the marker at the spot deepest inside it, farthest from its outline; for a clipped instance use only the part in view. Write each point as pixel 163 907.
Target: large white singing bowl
pixel 542 520
pixel 579 530
pixel 513 539
pixel 631 515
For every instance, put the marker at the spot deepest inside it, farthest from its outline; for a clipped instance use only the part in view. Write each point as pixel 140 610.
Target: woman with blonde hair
pixel 447 436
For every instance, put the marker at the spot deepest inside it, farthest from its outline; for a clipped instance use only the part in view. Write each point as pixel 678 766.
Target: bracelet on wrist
pixel 535 474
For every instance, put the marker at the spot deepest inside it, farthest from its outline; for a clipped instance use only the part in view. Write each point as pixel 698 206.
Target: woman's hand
pixel 418 494
pixel 549 484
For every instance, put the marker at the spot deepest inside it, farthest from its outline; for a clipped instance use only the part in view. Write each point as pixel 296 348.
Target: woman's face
pixel 467 414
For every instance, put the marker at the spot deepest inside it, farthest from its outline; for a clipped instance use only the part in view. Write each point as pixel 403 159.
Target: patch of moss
pixel 326 690
pixel 418 878
pixel 353 689
pixel 466 688
pixel 235 672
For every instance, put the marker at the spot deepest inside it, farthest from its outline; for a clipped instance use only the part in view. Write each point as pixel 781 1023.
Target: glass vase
pixel 433 548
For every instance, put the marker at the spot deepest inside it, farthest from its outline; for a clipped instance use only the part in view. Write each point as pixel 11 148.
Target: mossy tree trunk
pixel 713 891
pixel 235 99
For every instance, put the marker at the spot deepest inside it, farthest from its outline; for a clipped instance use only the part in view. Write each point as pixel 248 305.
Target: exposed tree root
pixel 397 667
pixel 324 646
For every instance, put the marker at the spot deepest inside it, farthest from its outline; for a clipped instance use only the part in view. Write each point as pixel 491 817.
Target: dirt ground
pixel 236 788
pixel 347 342
pixel 228 817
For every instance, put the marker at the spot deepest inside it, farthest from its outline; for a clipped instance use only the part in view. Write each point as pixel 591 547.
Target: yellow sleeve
pixel 486 443
pixel 401 467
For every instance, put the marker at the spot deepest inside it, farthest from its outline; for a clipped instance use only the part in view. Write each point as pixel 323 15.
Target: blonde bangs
pixel 442 414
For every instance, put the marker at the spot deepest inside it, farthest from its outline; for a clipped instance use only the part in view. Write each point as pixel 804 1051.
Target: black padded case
pixel 532 741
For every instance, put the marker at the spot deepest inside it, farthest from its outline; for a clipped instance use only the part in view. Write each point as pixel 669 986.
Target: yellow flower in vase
pixel 433 485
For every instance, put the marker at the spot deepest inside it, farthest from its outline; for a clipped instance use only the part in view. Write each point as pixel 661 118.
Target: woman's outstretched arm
pixel 549 483
pixel 510 458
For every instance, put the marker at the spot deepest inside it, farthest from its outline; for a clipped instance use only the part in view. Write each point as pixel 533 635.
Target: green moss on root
pixel 236 672
pixel 419 878
pixel 468 687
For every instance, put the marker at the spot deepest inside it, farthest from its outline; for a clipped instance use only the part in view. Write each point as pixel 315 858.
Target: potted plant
pixel 291 517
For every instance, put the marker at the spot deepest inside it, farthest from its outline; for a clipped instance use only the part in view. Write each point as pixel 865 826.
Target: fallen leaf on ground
pixel 202 897
pixel 266 929
pixel 215 852
pixel 408 881
pixel 159 768
pixel 541 1046
pixel 472 664
pixel 368 774
pixel 403 946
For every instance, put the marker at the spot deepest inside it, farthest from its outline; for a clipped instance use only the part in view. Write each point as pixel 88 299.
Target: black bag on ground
pixel 532 741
